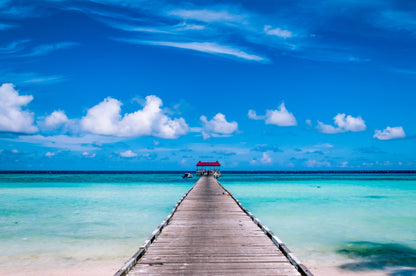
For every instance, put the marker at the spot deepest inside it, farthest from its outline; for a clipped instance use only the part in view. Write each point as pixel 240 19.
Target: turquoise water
pixel 67 220
pixel 359 222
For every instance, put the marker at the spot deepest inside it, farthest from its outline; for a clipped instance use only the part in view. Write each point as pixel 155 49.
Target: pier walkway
pixel 210 233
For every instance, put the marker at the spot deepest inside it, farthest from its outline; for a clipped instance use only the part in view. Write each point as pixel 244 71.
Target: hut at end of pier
pixel 208 168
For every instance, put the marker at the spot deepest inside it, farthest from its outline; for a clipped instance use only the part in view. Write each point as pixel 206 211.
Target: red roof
pixel 216 163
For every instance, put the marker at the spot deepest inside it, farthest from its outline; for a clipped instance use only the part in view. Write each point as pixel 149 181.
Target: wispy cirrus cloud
pixel 312 163
pixel 247 30
pixel 48 48
pixel 402 71
pixel 251 35
pixel 29 78
pixel 6 26
pixel 14 47
pixel 86 142
pixel 403 20
pixel 26 48
pixel 211 48
pixel 214 14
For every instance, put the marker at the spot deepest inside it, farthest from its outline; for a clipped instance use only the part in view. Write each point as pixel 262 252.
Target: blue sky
pixel 160 85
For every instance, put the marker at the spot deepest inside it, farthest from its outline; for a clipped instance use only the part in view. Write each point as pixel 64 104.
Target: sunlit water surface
pixel 355 223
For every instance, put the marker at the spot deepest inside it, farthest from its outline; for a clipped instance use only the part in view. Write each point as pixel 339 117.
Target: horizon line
pixel 180 171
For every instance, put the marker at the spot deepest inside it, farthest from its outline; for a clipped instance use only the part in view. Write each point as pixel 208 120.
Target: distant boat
pixel 187 175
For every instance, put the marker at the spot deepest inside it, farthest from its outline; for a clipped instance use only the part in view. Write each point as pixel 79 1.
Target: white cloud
pixel 265 159
pixel 88 155
pixel 105 118
pixel 309 122
pixel 390 133
pixel 22 48
pixel 56 119
pixel 74 143
pixel 343 124
pixel 277 32
pixel 128 153
pixel 50 154
pixel 317 164
pixel 208 15
pixel 32 78
pixel 206 47
pixel 344 164
pixel 13 47
pixel 48 48
pixel 326 145
pixel 217 125
pixel 279 117
pixel 12 117
pixel 253 115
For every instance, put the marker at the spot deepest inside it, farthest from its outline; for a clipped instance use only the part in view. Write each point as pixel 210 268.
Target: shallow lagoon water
pixel 354 223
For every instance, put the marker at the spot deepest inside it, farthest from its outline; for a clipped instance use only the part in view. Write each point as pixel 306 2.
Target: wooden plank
pixel 210 233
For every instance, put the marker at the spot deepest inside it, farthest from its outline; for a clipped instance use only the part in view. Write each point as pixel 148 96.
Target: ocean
pixel 91 223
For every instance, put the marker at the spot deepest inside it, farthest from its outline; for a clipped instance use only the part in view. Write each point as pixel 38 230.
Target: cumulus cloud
pixel 390 133
pixel 343 124
pixel 88 155
pixel 277 32
pixel 280 117
pixel 217 126
pixel 50 154
pixel 12 117
pixel 105 118
pixel 253 115
pixel 128 153
pixel 56 119
pixel 265 159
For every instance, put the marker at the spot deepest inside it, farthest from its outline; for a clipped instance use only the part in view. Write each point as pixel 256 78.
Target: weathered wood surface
pixel 210 234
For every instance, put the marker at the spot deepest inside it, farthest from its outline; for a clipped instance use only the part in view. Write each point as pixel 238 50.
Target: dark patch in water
pixel 376 256
pixel 375 196
pixel 403 272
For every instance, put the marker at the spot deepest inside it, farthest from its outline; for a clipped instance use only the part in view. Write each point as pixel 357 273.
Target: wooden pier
pixel 210 233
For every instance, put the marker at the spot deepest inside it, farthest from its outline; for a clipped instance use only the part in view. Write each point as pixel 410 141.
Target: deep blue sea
pixel 349 223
